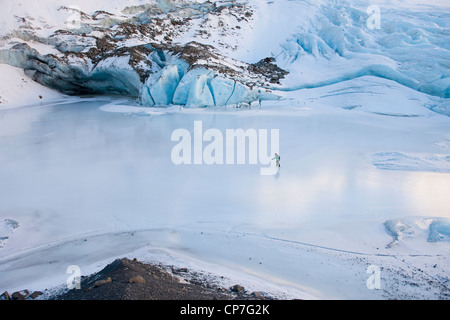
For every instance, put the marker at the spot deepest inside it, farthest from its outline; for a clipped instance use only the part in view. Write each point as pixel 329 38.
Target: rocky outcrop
pixel 20 295
pixel 125 279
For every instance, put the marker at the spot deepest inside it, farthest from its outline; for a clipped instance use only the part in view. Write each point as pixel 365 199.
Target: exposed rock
pixel 237 288
pixel 20 295
pixel 5 296
pixel 137 279
pixel 159 285
pixel 259 295
pixel 35 294
pixel 269 69
pixel 102 282
pixel 126 279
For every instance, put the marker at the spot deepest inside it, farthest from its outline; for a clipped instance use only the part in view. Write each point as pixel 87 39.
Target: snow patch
pixel 17 89
pixel 412 162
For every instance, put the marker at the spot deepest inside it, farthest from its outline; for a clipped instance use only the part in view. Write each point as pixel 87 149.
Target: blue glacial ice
pixel 181 95
pixel 433 230
pixel 199 93
pixel 161 91
pixel 398 230
pixel 221 89
pixel 410 47
pixel 439 230
pixel 197 87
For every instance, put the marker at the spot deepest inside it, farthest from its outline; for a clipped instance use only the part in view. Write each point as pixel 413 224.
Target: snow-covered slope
pixel 124 48
pixel 16 89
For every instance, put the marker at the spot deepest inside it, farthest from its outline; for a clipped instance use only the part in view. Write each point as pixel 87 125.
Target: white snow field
pixel 358 210
pixel 92 180
pixel 16 89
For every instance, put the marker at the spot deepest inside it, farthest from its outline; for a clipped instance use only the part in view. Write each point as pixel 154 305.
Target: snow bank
pixel 17 89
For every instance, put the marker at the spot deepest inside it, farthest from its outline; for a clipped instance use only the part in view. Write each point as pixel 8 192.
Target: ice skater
pixel 277 158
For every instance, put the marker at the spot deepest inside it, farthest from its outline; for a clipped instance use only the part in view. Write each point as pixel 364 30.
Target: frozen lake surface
pixel 85 181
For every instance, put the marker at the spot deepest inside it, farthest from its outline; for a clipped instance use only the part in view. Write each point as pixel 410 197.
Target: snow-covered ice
pixel 92 180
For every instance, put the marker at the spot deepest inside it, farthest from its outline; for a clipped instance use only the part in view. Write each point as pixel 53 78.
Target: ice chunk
pixel 239 94
pixel 159 88
pixel 439 230
pixel 199 93
pixel 145 97
pixel 181 94
pixel 398 230
pixel 199 87
pixel 163 90
pixel 221 89
pixel 439 87
pixel 10 224
pixel 3 240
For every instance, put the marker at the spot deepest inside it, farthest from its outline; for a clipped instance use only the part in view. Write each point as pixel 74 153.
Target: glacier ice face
pixel 127 55
pixel 160 87
pixel 111 75
pixel 221 89
pixel 199 93
pixel 163 90
pixel 198 87
pixel 227 91
pixel 170 80
pixel 240 94
pixel 182 93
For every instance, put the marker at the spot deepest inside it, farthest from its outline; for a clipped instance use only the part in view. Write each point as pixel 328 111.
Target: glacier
pixel 162 91
pixel 197 87
pixel 199 93
pixel 171 80
pixel 363 116
pixel 135 54
pixel 335 44
pixel 329 43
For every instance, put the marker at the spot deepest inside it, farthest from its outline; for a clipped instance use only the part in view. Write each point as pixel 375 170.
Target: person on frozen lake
pixel 277 157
